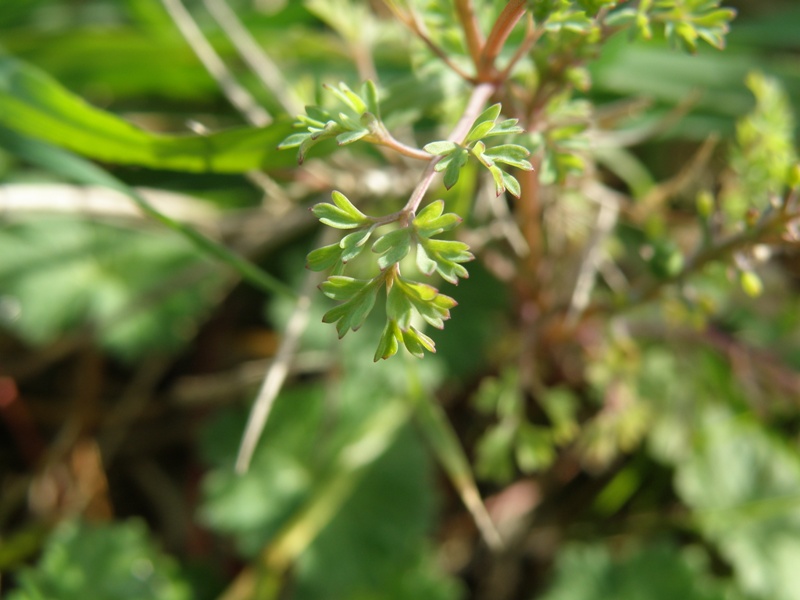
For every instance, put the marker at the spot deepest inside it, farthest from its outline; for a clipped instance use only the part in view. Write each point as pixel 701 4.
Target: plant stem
pixel 472 33
pixel 412 23
pixel 386 139
pixel 503 27
pixel 480 96
pixel 771 225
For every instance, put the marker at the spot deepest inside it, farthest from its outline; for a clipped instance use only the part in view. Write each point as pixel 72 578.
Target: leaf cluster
pixel 405 299
pixel 684 22
pixel 454 156
pixel 359 120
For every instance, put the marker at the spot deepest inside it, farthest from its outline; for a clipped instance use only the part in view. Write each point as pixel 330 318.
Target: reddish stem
pixel 503 27
pixel 472 33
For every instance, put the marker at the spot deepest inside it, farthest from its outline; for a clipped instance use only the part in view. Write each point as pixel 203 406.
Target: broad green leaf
pixel 340 492
pixel 495 454
pixel 130 287
pixel 742 482
pixel 655 572
pixel 113 561
pixel 32 103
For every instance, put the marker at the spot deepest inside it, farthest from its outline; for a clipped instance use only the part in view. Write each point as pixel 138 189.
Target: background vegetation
pixel 612 410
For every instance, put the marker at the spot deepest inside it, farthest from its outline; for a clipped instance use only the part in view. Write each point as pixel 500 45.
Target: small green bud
pixel 705 204
pixel 751 284
pixel 794 176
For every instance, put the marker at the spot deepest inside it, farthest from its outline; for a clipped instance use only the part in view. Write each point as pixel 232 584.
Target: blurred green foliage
pixel 626 344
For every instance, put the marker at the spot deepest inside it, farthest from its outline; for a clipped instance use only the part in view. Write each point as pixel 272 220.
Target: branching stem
pixel 472 32
pixel 503 27
pixel 480 96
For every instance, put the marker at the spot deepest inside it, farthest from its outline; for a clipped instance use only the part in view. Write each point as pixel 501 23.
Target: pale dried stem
pixel 606 220
pixel 254 55
pixel 417 28
pixel 276 374
pixel 238 96
pixel 472 32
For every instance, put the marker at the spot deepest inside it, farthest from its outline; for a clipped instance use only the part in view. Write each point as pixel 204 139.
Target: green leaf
pixel 102 561
pixel 448 255
pixel 742 481
pixel 432 306
pixel 352 244
pixel 388 343
pixel 511 154
pixel 490 114
pixel 534 448
pixel 479 131
pixel 655 572
pixel 451 173
pixel 507 127
pixel 495 454
pixel 393 247
pixel 338 287
pixel 430 212
pixel 499 181
pixel 352 313
pixel 33 103
pixel 511 184
pixel 431 221
pixel 293 141
pixel 398 307
pixel 440 148
pixel 324 258
pixel 417 342
pixel 349 137
pixel 370 93
pixel 425 263
pixel 339 492
pixel 347 97
pixel 335 217
pixel 342 215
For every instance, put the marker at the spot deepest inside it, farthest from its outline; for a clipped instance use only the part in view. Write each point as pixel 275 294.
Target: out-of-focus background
pixel 648 454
